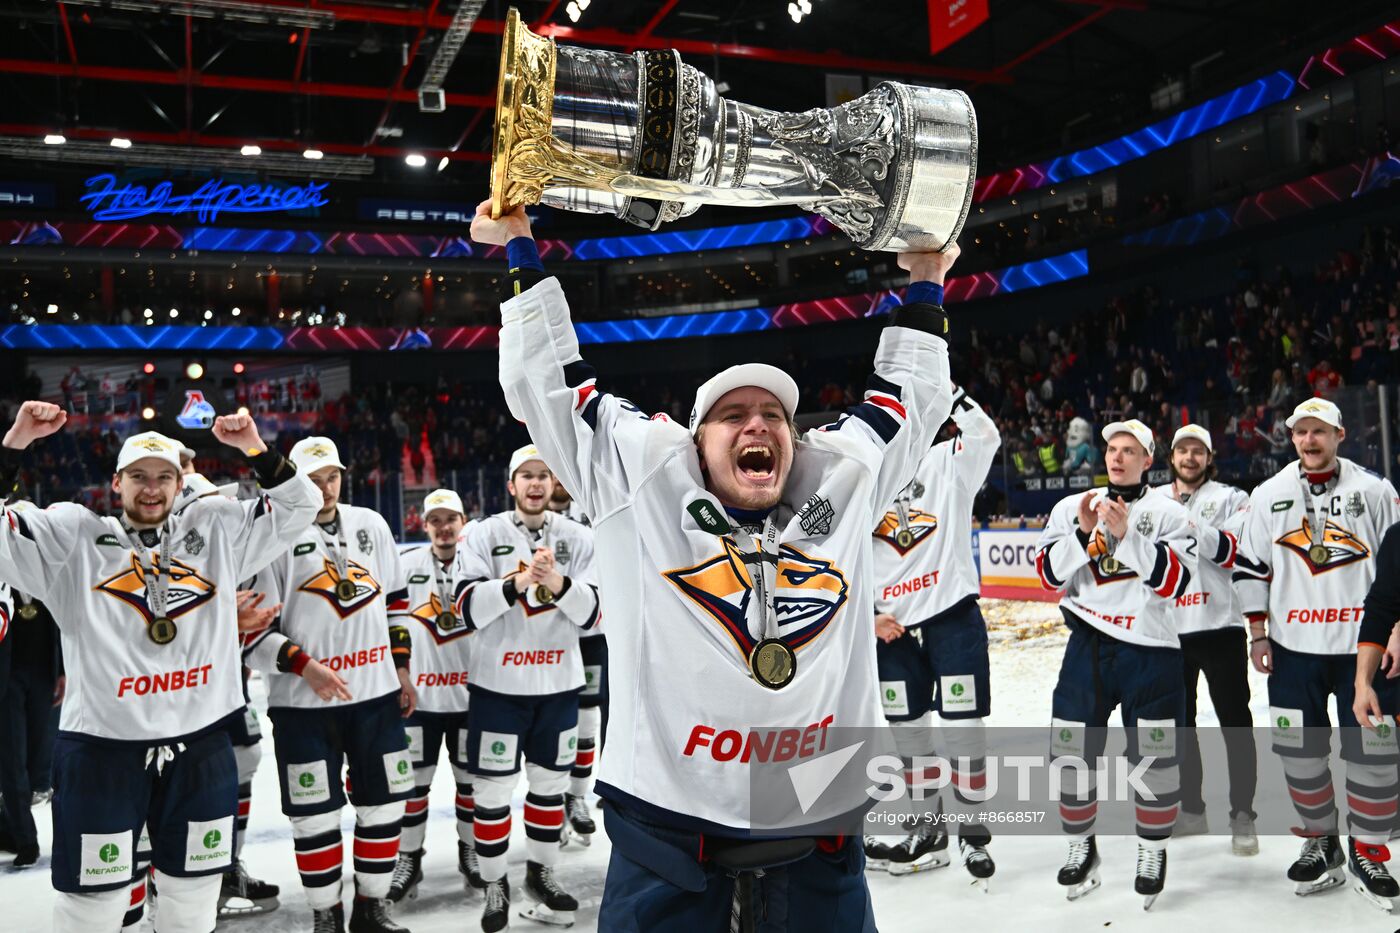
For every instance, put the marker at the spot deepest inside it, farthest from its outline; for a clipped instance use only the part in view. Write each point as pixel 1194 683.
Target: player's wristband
pixel 271 468
pixel 1259 639
pixel 929 318
pixel 509 591
pixel 291 659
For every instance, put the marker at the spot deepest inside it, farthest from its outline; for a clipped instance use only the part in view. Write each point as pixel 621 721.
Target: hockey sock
pixel 136 900
pixel 1371 802
pixel 1157 816
pixel 83 913
pixel 415 809
pixel 1310 785
pixel 491 823
pixel 544 813
pixel 318 846
pixel 466 804
pixel 590 721
pixel 376 848
pixel 966 741
pixel 247 758
pixel 187 905
pixel 1079 794
pixel 923 779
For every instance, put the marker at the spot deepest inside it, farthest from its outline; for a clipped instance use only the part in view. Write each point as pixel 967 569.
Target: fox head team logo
pixel 809 592
pixel 921 526
pixel 428 614
pixel 1342 546
pixel 1099 557
pixel 185 591
pixel 323 584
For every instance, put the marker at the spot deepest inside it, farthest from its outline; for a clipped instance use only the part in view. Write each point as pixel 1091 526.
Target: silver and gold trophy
pixel 648 138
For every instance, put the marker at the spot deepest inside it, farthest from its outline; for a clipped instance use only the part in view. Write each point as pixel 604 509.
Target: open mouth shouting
pixel 756 463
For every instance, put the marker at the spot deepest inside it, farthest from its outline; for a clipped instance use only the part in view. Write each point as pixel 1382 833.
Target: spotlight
pixel 148 368
pixel 52 309
pixel 55 139
pixel 236 312
pixel 415 160
pixel 251 150
pixel 194 371
pixel 174 312
pixel 238 369
pixel 313 154
pixel 120 143
pixel 443 163
pixel 148 413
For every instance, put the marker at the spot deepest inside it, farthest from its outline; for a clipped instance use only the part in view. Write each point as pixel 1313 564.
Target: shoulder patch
pixel 108 541
pixel 500 549
pixel 709 517
pixel 418 578
pixel 304 548
pixel 1281 505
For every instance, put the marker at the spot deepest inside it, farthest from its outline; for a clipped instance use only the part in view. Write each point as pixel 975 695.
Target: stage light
pixel 236 312
pixel 52 309
pixel 313 154
pixel 443 163
pixel 174 312
pixel 55 139
pixel 119 142
pixel 251 150
pixel 148 368
pixel 238 369
pixel 415 160
pixel 148 413
pixel 195 371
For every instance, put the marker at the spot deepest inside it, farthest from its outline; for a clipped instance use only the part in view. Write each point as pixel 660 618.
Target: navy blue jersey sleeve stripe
pixel 877 384
pixel 883 424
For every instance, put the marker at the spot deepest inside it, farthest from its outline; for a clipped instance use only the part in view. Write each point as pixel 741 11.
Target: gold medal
pixel 29 611
pixel 1110 564
pixel 773 663
pixel 904 538
pixel 543 595
pixel 162 630
pixel 346 590
pixel 447 621
pixel 1318 554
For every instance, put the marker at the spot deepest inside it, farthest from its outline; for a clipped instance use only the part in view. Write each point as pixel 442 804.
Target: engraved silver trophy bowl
pixel 647 138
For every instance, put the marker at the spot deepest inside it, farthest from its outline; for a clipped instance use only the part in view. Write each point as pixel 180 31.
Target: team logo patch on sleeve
pixel 1342 546
pixel 193 543
pixel 1356 506
pixel 815 516
pixel 105 858
pixel 209 845
pixel 186 591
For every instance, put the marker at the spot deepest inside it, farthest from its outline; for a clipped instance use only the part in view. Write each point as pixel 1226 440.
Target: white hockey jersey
pixel 677 594
pixel 527 648
pixel 121 684
pixel 1313 608
pixel 930 569
pixel 1216 511
pixel 6 610
pixel 1134 601
pixel 441 655
pixel 351 637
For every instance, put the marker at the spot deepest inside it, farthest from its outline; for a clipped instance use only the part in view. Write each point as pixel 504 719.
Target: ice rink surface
pixel 1206 884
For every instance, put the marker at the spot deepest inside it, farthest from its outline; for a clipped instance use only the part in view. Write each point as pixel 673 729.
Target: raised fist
pixel 239 431
pixel 33 421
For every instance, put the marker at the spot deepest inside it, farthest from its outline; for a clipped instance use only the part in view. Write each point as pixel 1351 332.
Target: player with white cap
pixel 1306 561
pixel 337 586
pixel 441 661
pixel 738 590
pixel 528 593
pixel 147 607
pixel 1213 639
pixel 1122 558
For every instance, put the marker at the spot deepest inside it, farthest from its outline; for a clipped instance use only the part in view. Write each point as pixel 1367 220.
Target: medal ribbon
pixel 766 555
pixel 339 550
pixel 156 578
pixel 444 594
pixel 1317 530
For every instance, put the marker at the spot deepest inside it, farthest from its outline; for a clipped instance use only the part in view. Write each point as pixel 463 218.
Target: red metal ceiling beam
pixel 546 15
pixel 1136 6
pixel 224 82
pixel 655 21
pixel 301 55
pixel 68 35
pixel 613 38
pixel 235 142
pixel 1054 40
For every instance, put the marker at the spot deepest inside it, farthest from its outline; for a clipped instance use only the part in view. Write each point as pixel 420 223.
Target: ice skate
pixel 242 895
pixel 371 915
pixel 468 865
pixel 972 846
pixel 495 916
pixel 1080 873
pixel 877 854
pixel 1369 876
pixel 552 904
pixel 924 849
pixel 328 920
pixel 1319 866
pixel 580 826
pixel 408 871
pixel 1151 871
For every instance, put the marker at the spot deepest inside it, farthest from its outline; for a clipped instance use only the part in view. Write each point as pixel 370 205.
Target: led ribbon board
pixel 109 199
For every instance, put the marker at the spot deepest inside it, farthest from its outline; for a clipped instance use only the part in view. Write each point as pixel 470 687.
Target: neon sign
pixel 109 199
